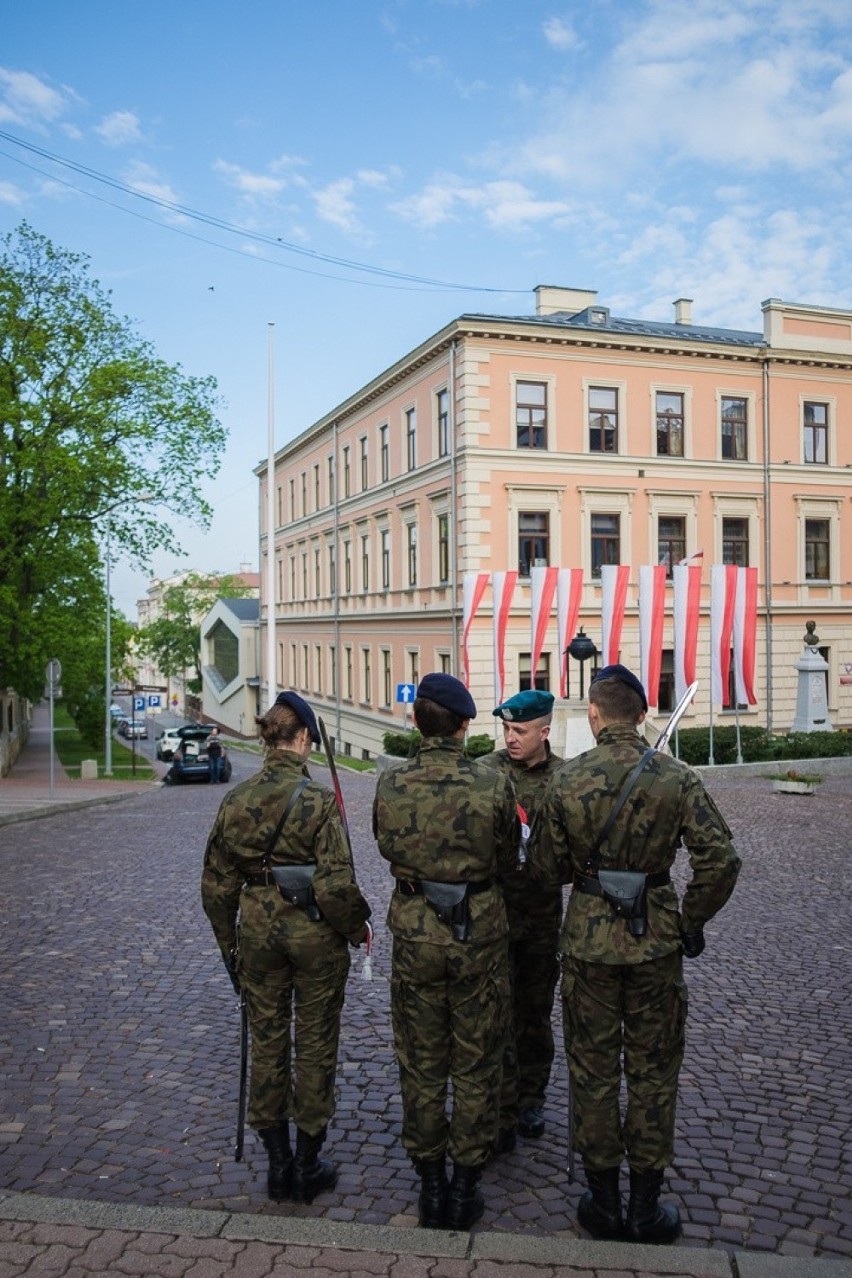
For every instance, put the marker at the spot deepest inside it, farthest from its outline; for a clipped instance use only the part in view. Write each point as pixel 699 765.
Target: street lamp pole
pixel 108 698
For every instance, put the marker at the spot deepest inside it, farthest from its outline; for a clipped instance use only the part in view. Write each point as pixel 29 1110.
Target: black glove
pixel 693 943
pixel 230 961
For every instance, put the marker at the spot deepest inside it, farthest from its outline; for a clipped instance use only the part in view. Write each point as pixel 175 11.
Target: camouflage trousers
pixel 449 1006
pixel 638 1010
pixel 294 980
pixel 529 1051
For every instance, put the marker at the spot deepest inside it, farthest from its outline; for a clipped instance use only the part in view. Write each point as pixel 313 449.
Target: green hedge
pixel 402 745
pixel 758 745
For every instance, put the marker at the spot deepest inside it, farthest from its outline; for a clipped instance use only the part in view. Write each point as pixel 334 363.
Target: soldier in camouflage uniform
pixel 442 819
pixel 286 953
pixel 534 913
pixel 623 991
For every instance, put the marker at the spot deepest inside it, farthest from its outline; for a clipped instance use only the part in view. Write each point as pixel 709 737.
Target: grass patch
pixel 72 750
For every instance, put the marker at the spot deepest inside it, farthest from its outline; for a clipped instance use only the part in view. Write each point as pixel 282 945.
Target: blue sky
pixel 649 149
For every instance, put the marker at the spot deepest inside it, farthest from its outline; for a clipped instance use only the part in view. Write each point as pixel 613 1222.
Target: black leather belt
pixel 585 882
pixel 414 887
pixel 259 880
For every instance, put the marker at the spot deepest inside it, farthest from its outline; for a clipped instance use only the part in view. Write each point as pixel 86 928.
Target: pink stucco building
pixel 576 438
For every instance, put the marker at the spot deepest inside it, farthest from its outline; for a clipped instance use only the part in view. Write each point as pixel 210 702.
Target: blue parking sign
pixel 154 701
pixel 138 703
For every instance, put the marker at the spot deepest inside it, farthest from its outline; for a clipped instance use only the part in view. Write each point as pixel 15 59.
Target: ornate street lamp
pixel 581 649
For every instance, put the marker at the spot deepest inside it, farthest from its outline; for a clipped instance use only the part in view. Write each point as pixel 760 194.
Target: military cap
pixel 449 692
pixel 524 706
pixel 623 675
pixel 303 711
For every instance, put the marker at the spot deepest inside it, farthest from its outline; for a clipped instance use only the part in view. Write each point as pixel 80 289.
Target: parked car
pixel 116 712
pixel 167 742
pixel 190 762
pixel 133 728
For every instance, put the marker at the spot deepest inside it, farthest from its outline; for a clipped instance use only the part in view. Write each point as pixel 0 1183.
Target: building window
pixel 666 695
pixel 603 419
pixel 411 438
pixel 444 662
pixel 367 674
pixel 413 666
pixel 815 427
pixel 304 574
pixel 671 541
pixel 279 506
pixel 365 479
pixel 384 452
pixel 442 404
pixel 365 562
pixel 542 674
pixel 735 542
pixel 292 499
pixel 318 665
pixel 734 428
pixel 347 473
pixel 531 414
pixel 317 575
pixel 817 545
pixel 347 567
pixel 411 535
pixel 317 500
pixel 304 493
pixel 387 678
pixel 224 654
pixel 292 576
pixel 332 652
pixel 669 424
pixel 330 479
pixel 606 541
pixel 332 571
pixel 533 540
pixel 347 652
pixel 443 548
pixel 386 559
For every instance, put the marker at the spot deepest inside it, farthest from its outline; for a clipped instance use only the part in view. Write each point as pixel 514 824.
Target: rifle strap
pixel 297 790
pixel 594 860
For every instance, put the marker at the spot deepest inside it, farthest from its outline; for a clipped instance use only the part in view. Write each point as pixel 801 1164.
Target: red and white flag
pixel 723 598
pixel 614 578
pixel 569 593
pixel 473 588
pixel 687 612
pixel 543 587
pixel 745 635
pixel 652 600
pixel 502 589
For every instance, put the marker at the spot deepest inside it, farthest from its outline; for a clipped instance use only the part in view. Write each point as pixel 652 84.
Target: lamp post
pixel 581 648
pixel 108 719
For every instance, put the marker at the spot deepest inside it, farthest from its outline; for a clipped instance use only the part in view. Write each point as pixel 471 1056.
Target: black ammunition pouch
pixel 295 883
pixel 627 893
pixel 450 903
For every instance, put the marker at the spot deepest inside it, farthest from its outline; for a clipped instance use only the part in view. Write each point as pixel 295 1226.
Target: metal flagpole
pixel 271 672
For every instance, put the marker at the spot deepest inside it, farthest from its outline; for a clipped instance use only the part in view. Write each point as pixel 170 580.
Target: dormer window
pixel 599 315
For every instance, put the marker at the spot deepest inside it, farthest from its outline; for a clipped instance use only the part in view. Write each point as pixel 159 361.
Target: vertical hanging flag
pixel 543 586
pixel 652 598
pixel 569 592
pixel 745 635
pixel 687 610
pixel 502 589
pixel 614 579
pixel 473 588
pixel 723 594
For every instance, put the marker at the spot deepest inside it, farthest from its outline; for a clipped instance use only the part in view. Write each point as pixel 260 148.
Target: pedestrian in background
pixel 449 828
pixel 214 756
pixel 622 978
pixel 534 913
pixel 293 956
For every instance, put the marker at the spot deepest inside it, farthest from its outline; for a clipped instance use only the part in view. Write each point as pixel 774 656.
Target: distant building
pixel 230 665
pixel 571 438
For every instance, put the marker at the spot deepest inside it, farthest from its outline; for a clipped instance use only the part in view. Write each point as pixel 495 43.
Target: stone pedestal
pixel 811 697
pixel 570 733
pixel 89 770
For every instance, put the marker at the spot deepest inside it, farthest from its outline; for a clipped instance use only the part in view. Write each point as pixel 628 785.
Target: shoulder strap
pixel 595 854
pixel 297 790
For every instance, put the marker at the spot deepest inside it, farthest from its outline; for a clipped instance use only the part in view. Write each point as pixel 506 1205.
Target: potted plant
pixel 793 782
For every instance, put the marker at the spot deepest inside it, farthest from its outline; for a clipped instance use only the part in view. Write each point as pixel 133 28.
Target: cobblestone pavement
pixel 119 1045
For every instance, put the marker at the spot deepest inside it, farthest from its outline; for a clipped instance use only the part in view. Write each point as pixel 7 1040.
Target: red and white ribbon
pixel 569 593
pixel 687 612
pixel 473 588
pixel 723 597
pixel 502 589
pixel 543 588
pixel 652 599
pixel 614 578
pixel 745 635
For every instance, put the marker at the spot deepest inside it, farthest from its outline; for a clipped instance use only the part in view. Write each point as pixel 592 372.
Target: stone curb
pixel 49 809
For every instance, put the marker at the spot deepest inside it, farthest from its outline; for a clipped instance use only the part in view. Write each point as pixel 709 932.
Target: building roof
pixel 243 609
pixel 599 319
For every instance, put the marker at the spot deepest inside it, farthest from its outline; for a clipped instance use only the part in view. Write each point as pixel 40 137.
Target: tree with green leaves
pixel 173 640
pixel 96 433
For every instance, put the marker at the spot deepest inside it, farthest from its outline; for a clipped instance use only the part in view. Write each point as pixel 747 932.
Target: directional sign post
pixel 52 675
pixel 405 693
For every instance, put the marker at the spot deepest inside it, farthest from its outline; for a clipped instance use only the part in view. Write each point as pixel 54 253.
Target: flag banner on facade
pixel 502 589
pixel 543 588
pixel 723 596
pixel 687 612
pixel 614 578
pixel 745 635
pixel 652 600
pixel 473 588
pixel 569 593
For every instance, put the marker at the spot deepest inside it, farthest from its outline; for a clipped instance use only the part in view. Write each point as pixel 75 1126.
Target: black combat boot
pixel 531 1122
pixel 311 1174
pixel 434 1187
pixel 465 1203
pixel 647 1221
pixel 279 1178
pixel 599 1209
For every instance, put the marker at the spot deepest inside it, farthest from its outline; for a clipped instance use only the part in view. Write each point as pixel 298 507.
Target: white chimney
pixel 551 300
pixel 683 310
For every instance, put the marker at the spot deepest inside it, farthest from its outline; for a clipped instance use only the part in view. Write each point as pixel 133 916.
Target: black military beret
pixel 449 692
pixel 623 675
pixel 303 710
pixel 530 704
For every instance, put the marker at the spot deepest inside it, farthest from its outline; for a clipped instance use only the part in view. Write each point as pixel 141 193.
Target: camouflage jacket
pixel 313 832
pixel 445 817
pixel 667 805
pixel 530 785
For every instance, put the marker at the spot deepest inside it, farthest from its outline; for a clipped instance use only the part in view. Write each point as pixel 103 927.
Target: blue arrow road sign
pixel 405 693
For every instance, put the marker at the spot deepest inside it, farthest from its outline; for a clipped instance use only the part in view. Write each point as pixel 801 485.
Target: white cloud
pixel 27 100
pixel 504 205
pixel 11 194
pixel 266 185
pixel 119 128
pixel 335 205
pixel 559 34
pixel 145 179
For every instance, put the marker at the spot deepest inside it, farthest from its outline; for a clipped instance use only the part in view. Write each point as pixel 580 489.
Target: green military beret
pixel 524 706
